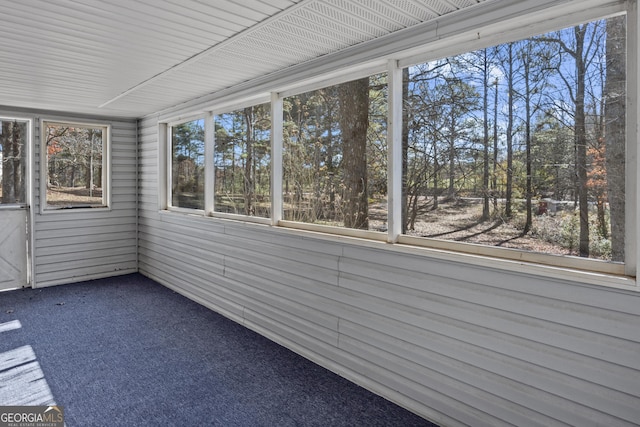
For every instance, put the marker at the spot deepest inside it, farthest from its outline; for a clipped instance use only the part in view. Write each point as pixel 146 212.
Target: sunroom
pixel 436 200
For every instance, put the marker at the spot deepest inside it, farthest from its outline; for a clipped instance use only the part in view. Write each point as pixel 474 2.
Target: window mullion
pixel 277 124
pixel 632 206
pixel 163 170
pixel 106 169
pixel 165 161
pixel 394 152
pixel 209 172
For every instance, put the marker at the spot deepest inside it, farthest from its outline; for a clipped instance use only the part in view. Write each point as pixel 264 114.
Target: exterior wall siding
pixel 457 343
pixel 73 246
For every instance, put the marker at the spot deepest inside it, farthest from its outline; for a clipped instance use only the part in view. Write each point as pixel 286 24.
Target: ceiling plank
pixel 136 57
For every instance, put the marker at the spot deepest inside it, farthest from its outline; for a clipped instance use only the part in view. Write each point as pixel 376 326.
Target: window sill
pixel 549 272
pixel 76 209
pixel 13 207
pixel 376 240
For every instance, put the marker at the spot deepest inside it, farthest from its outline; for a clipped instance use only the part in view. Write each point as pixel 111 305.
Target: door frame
pixel 29 193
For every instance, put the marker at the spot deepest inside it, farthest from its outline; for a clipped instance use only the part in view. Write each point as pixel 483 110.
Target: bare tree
pixel 510 76
pixel 11 141
pixel 615 111
pixel 406 116
pixel 579 43
pixel 354 122
pixel 248 182
pixel 535 61
pixel 485 134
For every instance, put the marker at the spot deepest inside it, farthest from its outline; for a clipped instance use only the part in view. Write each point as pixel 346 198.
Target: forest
pixel 74 165
pixel 519 145
pixel 13 139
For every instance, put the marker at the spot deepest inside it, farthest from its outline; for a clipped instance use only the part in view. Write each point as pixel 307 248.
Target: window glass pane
pixel 187 165
pixel 243 161
pixel 522 145
pixel 335 155
pixel 13 148
pixel 74 165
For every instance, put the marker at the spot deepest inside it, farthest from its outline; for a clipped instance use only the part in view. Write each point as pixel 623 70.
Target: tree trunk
pixel 451 192
pixel 615 111
pixel 436 169
pixel 405 156
pixel 581 141
pixel 89 169
pixel 494 183
pixel 509 191
pixel 19 160
pixel 8 143
pixel 249 208
pixel 330 165
pixel 414 211
pixel 529 190
pixel 354 122
pixel 316 202
pixel 485 110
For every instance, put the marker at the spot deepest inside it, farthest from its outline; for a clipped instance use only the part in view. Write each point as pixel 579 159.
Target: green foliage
pixel 314 165
pixel 600 247
pixel 242 161
pixel 563 229
pixel 187 161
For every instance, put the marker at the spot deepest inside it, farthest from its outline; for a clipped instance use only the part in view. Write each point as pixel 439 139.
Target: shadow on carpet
pixel 126 351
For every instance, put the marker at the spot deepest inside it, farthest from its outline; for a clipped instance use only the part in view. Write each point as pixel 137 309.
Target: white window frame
pixel 361 71
pixel 495 24
pixel 210 145
pixel 166 152
pixel 45 209
pixel 505 32
pixel 28 163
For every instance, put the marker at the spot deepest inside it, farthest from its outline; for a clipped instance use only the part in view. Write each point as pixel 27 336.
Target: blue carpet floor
pixel 127 351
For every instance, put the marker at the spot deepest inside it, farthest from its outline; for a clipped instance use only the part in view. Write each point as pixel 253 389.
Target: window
pixel 187 165
pixel 522 145
pixel 518 150
pixel 13 148
pixel 243 161
pixel 75 166
pixel 335 155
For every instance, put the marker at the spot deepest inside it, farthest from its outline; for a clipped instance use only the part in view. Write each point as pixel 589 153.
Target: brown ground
pixel 458 220
pixel 65 196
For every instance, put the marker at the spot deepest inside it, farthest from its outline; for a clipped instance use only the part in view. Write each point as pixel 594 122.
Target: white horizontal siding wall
pixel 71 246
pixel 457 343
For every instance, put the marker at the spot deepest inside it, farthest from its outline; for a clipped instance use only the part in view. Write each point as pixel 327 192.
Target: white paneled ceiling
pixel 131 58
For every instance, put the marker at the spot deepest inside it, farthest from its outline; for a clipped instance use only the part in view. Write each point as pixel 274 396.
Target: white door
pixel 13 248
pixel 14 137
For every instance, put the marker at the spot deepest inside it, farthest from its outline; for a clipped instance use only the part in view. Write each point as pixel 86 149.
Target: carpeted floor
pixel 127 351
